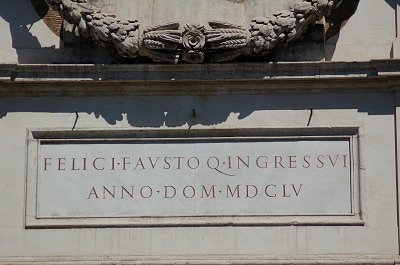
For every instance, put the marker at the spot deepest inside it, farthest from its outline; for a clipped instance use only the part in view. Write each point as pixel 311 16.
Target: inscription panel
pixel 192 180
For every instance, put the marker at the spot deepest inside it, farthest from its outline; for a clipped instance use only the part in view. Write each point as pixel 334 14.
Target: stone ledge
pixel 38 80
pixel 162 72
pixel 208 259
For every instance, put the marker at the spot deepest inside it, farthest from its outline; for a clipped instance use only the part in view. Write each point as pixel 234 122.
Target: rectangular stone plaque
pixel 121 179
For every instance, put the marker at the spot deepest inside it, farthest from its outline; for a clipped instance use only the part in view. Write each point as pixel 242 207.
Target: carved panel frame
pixel 36 136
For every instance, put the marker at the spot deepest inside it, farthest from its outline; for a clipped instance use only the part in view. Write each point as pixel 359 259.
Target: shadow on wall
pixel 336 21
pixel 173 111
pixel 392 3
pixel 21 16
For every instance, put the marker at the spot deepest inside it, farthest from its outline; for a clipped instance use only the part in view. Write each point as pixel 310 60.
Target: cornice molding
pixel 101 80
pixel 209 259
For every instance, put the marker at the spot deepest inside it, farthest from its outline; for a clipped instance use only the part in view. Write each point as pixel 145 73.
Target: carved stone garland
pixel 167 43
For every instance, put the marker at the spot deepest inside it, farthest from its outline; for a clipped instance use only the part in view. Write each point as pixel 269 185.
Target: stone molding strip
pixel 208 259
pixel 227 72
pixel 244 78
pixel 219 42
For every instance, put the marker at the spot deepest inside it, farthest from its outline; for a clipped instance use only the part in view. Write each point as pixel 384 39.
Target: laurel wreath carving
pixel 169 43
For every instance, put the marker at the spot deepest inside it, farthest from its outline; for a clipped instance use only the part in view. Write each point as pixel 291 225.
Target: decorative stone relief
pixel 219 41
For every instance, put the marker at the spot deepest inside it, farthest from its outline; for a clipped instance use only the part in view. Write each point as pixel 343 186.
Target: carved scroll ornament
pixel 219 41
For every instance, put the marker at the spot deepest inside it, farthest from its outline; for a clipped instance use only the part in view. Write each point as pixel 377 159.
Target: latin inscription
pixel 165 178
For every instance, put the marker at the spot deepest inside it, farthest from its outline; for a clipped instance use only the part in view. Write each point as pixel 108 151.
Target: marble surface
pixel 155 12
pixel 178 178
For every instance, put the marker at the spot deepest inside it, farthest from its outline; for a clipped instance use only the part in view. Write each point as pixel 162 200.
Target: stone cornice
pixel 209 259
pixel 240 78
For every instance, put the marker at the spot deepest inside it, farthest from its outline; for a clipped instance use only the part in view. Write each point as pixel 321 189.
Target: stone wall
pixel 122 100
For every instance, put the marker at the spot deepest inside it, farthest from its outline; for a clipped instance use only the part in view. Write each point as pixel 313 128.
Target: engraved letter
pixel 204 191
pixel 130 194
pixel 241 161
pixel 84 163
pixel 264 164
pixel 73 164
pixel 139 163
pixel 278 160
pixel 321 163
pixel 61 162
pixel 229 162
pixel 95 163
pixel 113 163
pixel 46 163
pixel 185 190
pixel 266 190
pixel 108 191
pixel 292 162
pixel 179 161
pixel 194 165
pixel 125 161
pixel 284 192
pixel 167 161
pixel 344 161
pixel 92 192
pixel 150 193
pixel 232 193
pixel 153 164
pixel 306 163
pixel 333 162
pixel 255 191
pixel 172 188
pixel 297 192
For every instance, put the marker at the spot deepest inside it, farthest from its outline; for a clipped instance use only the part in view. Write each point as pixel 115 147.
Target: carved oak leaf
pixel 286 25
